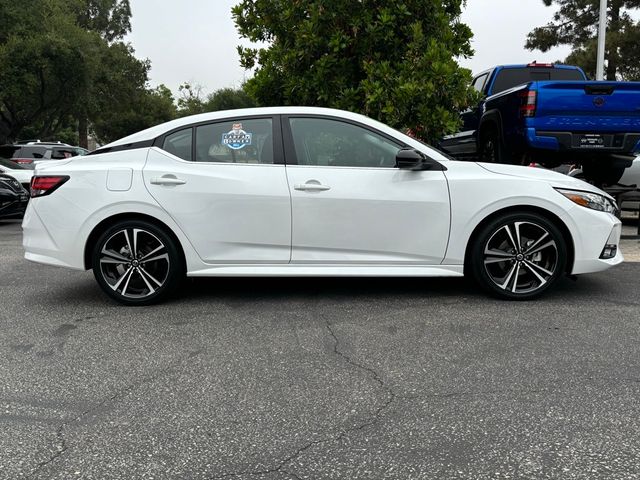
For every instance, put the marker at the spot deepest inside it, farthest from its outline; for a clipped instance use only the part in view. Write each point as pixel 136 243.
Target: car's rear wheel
pixel 518 256
pixel 137 263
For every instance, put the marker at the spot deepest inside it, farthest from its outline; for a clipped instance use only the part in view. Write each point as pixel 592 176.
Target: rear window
pixel 512 77
pixel 31 152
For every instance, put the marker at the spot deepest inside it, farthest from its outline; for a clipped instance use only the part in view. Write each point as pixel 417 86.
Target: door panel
pixel 368 215
pixel 351 205
pixel 233 208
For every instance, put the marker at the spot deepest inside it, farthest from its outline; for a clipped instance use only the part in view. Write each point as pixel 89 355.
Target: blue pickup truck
pixel 551 115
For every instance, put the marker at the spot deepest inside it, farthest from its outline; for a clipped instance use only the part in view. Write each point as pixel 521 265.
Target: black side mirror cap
pixel 412 159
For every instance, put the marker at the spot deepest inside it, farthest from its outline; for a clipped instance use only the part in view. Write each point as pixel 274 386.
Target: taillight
pixel 45 184
pixel 529 99
pixel 22 161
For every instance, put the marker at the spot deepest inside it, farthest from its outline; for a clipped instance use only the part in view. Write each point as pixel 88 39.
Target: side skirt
pixel 329 271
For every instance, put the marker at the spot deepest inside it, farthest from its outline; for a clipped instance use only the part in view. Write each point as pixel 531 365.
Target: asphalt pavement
pixel 316 378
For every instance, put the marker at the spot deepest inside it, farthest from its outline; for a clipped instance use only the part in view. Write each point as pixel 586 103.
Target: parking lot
pixel 310 378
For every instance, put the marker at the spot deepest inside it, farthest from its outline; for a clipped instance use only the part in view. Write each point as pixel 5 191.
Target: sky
pixel 195 40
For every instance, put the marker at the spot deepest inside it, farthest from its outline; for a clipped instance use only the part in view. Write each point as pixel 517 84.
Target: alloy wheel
pixel 134 263
pixel 521 257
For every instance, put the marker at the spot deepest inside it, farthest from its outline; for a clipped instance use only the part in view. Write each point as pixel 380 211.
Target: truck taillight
pixel 529 99
pixel 45 184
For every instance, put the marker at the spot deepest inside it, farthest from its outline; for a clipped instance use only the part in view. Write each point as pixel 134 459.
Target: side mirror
pixel 412 159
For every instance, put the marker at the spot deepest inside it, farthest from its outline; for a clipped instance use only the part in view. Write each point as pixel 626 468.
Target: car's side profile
pixel 299 191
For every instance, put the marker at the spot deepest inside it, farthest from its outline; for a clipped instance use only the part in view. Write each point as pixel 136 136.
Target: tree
pixel 576 24
pixel 43 64
pixel 229 99
pixel 66 68
pixel 393 60
pixel 148 108
pixel 193 101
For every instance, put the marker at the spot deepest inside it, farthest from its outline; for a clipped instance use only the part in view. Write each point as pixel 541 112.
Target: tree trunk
pixel 83 131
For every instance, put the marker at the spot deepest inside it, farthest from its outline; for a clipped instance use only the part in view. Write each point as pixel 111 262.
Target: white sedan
pixel 298 191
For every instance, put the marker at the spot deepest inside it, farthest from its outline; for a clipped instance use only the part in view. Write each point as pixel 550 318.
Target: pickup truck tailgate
pixel 587 106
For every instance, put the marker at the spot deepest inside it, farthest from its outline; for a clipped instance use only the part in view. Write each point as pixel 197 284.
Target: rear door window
pixel 236 141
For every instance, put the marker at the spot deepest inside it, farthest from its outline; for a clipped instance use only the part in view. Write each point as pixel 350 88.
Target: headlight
pixel 590 200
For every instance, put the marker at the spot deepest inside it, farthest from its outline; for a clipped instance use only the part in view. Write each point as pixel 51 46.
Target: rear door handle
pixel 313 187
pixel 167 180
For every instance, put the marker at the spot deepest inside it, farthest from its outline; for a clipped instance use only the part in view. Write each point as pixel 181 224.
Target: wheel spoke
pixel 537 242
pixel 515 278
pixel 113 260
pixel 498 253
pixel 144 272
pixel 152 252
pixel 126 284
pixel 542 247
pixel 135 242
pixel 518 239
pixel 531 264
pixel 536 274
pixel 126 236
pixel 504 286
pixel 149 286
pixel 490 260
pixel 123 277
pixel 115 255
pixel 513 242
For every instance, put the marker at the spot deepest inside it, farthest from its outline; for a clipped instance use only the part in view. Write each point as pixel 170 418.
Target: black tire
pixel 150 275
pixel 522 273
pixel 491 147
pixel 602 173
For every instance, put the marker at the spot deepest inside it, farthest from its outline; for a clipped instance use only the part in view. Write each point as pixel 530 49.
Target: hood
pixel 555 179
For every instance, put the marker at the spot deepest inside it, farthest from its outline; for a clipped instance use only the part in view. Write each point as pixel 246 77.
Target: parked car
pixel 29 154
pixel 20 173
pixel 13 197
pixel 551 115
pixel 299 191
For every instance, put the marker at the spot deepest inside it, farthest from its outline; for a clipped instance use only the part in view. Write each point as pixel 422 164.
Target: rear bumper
pixel 606 143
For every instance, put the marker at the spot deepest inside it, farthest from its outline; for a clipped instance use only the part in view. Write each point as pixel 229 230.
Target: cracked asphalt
pixel 316 378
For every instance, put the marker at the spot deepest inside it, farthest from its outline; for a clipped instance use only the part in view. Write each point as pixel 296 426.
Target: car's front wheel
pixel 518 256
pixel 137 263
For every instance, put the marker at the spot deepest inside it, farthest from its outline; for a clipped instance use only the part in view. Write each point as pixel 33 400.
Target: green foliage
pixel 393 60
pixel 148 108
pixel 65 66
pixel 229 99
pixel 576 24
pixel 192 100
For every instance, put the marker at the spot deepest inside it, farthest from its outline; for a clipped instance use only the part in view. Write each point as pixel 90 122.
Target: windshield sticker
pixel 237 138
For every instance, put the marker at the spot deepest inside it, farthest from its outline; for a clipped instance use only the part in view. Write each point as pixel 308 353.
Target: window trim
pixel 276 133
pixel 289 146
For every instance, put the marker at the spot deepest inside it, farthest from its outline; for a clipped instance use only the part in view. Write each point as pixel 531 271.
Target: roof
pixel 156 131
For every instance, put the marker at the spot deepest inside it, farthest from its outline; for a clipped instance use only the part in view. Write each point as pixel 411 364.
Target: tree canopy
pixel 576 24
pixel 393 60
pixel 65 67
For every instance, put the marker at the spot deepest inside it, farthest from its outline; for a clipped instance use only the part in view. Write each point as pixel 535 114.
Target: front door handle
pixel 167 180
pixel 311 186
